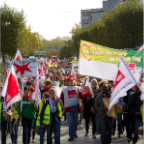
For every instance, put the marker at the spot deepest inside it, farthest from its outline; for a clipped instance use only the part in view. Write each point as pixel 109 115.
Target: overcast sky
pixel 52 18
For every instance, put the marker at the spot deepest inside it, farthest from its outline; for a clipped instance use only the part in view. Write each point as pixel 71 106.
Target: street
pixel 81 138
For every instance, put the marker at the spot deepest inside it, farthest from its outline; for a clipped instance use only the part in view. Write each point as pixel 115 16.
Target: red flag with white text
pixel 10 90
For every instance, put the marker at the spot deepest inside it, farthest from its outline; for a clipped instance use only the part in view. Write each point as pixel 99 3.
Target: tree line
pixel 120 28
pixel 15 34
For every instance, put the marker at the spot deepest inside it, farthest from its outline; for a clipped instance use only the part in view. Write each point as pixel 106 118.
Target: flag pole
pixel 21 103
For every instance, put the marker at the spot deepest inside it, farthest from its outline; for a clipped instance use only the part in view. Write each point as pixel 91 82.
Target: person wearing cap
pixel 66 81
pixel 70 96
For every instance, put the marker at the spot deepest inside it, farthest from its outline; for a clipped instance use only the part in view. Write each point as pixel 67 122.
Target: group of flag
pixel 123 82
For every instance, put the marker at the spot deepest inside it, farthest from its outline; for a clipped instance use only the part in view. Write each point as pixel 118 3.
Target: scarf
pixel 47 89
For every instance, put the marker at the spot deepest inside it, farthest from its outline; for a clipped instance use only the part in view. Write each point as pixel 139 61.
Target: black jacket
pixel 135 103
pixel 127 97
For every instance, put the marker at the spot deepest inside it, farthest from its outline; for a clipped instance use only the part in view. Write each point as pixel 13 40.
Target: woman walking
pixel 50 118
pixel 88 103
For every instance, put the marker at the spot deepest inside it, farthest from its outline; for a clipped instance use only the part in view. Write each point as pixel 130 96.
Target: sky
pixel 53 18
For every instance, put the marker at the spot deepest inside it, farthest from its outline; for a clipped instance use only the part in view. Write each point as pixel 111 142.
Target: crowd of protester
pixel 78 102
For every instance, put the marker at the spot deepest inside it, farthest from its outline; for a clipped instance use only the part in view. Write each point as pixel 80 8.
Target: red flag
pixel 58 59
pixel 10 91
pixel 42 75
pixel 44 68
pixel 47 61
pixel 18 55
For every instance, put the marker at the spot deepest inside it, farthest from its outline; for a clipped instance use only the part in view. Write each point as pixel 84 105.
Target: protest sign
pixel 102 62
pixel 26 67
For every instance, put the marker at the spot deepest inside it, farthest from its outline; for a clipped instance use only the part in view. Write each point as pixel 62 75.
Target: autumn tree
pixel 12 24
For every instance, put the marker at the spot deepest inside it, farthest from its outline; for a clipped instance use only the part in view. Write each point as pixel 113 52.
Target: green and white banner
pixel 102 62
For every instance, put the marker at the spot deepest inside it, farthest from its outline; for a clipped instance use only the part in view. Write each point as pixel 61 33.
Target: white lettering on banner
pixel 72 94
pixel 8 98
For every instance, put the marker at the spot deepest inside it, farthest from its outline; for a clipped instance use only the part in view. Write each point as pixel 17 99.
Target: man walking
pixel 70 97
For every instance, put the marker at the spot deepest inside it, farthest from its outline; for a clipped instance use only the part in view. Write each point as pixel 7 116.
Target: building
pixel 90 15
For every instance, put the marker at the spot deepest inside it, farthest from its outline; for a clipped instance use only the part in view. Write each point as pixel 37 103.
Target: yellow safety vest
pixel 60 113
pixel 38 118
pixel 46 119
pixel 14 111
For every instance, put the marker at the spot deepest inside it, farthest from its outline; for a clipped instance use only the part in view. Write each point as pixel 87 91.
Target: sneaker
pixel 129 141
pixel 94 136
pixel 71 139
pixel 80 126
pixel 76 136
pixel 86 134
pixel 33 141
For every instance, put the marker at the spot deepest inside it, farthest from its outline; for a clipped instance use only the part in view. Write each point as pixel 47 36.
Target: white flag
pixel 36 93
pixel 124 81
pixel 58 92
pixel 42 75
pixel 87 83
pixel 18 55
pixel 73 73
pixel 141 48
pixel 10 91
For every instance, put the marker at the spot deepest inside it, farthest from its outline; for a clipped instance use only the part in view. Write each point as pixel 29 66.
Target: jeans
pixel 3 132
pixel 72 118
pixel 97 123
pixel 27 125
pixel 13 131
pixel 119 125
pixel 106 130
pixel 137 122
pixel 56 126
pixel 33 127
pixel 128 125
pixel 87 118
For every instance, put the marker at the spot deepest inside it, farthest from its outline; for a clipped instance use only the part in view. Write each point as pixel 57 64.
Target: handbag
pixel 8 115
pixel 37 130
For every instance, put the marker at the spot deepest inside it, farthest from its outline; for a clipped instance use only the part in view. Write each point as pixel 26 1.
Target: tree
pixel 11 25
pixel 66 51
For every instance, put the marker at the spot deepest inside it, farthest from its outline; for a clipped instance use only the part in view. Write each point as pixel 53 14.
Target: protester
pixel 50 118
pixel 27 114
pixel 106 122
pixel 65 82
pixel 127 115
pixel 88 103
pixel 13 125
pixel 134 106
pixel 47 86
pixel 95 89
pixel 70 102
